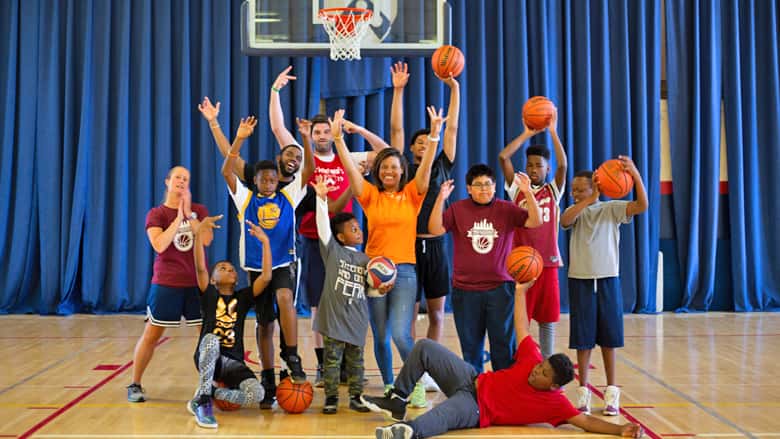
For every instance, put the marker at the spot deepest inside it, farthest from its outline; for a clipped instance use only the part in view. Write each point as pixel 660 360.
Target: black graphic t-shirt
pixel 440 172
pixel 224 317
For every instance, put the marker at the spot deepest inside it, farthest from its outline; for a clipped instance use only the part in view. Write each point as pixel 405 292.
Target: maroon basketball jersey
pixel 545 237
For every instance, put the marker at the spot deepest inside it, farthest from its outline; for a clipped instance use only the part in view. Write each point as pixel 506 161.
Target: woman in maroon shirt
pixel 174 291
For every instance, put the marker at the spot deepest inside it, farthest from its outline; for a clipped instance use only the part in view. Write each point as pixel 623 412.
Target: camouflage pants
pixel 353 365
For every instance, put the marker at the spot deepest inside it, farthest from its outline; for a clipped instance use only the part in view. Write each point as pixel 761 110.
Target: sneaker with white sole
pixel 395 431
pixel 136 393
pixel 417 398
pixel 583 400
pixel 203 411
pixel 429 383
pixel 390 405
pixel 612 401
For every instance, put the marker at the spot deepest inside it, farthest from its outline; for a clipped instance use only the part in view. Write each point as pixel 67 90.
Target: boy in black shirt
pixel 220 352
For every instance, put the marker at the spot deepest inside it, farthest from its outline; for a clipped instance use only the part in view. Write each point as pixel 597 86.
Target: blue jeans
pixel 391 316
pixel 492 310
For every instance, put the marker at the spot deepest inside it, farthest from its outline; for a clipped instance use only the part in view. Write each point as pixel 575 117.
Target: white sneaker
pixel 583 400
pixel 429 383
pixel 612 401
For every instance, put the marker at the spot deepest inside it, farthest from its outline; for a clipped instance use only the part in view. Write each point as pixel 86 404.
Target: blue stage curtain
pixel 99 101
pixel 720 60
pixel 751 97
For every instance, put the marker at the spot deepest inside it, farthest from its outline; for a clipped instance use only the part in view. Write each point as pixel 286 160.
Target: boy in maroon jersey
pixel 543 300
pixel 528 392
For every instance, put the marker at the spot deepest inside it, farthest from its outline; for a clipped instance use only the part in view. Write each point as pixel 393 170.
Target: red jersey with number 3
pixel 335 175
pixel 545 237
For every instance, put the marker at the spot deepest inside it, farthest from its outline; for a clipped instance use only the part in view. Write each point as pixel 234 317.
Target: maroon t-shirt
pixel 506 398
pixel 482 239
pixel 175 266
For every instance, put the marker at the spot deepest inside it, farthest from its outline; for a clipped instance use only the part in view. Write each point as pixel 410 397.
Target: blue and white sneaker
pixel 135 393
pixel 203 411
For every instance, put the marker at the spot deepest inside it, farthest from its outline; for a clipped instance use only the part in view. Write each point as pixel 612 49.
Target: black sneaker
pixel 283 374
pixel 390 405
pixel 269 398
pixel 297 374
pixel 331 405
pixel 357 405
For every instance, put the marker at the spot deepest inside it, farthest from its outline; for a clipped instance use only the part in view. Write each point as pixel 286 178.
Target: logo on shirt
pixel 226 322
pixel 184 237
pixel 268 215
pixel 482 235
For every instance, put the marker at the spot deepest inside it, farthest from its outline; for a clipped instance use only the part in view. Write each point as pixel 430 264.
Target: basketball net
pixel 345 28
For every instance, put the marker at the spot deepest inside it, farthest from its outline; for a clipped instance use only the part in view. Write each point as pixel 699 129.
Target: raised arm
pixel 323 220
pixel 400 74
pixel 353 173
pixel 521 315
pixel 423 176
pixel 186 208
pixel 531 205
pixel 201 270
pixel 640 204
pixel 265 276
pixel 436 220
pixel 245 130
pixel 505 156
pixel 283 136
pixel 337 205
pixel 453 113
pixel 376 142
pixel 593 424
pixel 304 127
pixel 560 153
pixel 210 113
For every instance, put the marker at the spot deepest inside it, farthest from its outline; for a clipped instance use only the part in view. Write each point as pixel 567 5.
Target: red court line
pixel 627 415
pixel 81 397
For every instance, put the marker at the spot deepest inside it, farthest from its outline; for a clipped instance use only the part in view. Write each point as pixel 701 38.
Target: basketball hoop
pixel 345 27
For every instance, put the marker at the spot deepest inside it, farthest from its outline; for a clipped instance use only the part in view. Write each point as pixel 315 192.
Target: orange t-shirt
pixel 392 221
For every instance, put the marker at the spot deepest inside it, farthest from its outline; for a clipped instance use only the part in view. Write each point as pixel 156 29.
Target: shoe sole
pixel 376 409
pixel 189 409
pixel 202 425
pixel 418 406
pixel 610 413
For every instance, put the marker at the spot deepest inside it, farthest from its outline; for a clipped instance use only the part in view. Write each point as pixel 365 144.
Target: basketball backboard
pixel 293 28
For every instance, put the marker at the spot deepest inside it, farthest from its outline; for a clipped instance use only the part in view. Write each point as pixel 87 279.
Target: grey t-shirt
pixel 594 248
pixel 343 310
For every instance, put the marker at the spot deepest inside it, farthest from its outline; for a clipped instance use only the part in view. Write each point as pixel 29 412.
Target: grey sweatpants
pixel 455 378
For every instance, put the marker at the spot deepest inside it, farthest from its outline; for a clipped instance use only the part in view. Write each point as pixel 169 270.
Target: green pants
pixel 353 365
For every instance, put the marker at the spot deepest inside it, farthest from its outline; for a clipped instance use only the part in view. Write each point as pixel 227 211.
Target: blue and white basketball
pixel 380 272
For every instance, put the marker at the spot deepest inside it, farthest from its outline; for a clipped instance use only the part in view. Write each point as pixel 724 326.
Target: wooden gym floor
pixel 690 375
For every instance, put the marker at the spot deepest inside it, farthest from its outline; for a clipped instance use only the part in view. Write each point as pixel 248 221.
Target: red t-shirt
pixel 545 237
pixel 175 266
pixel 335 175
pixel 506 398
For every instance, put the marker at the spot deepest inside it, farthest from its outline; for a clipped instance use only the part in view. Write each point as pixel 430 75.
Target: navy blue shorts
pixel 433 268
pixel 596 313
pixel 167 305
pixel 312 270
pixel 266 308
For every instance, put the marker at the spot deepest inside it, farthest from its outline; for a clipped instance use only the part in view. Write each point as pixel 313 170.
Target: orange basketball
pixel 537 112
pixel 524 264
pixel 294 398
pixel 447 60
pixel 225 406
pixel 614 181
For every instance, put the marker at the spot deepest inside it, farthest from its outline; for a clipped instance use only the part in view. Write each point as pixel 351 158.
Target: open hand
pixel 631 430
pixel 336 122
pixel 446 189
pixel 349 127
pixel 208 110
pixel 523 182
pixel 210 222
pixel 400 74
pixel 304 127
pixel 437 120
pixel 321 187
pixel 247 127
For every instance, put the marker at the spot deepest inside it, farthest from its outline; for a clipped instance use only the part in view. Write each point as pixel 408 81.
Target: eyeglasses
pixel 482 185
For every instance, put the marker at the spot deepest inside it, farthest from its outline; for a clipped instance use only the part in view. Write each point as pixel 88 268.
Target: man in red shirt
pixel 528 392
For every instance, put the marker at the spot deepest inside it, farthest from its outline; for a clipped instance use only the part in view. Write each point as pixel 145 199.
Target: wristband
pixel 214 125
pixel 433 139
pixel 341 137
pixel 233 154
pixel 275 89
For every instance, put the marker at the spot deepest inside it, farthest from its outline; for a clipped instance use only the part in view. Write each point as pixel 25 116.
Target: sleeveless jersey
pixel 545 237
